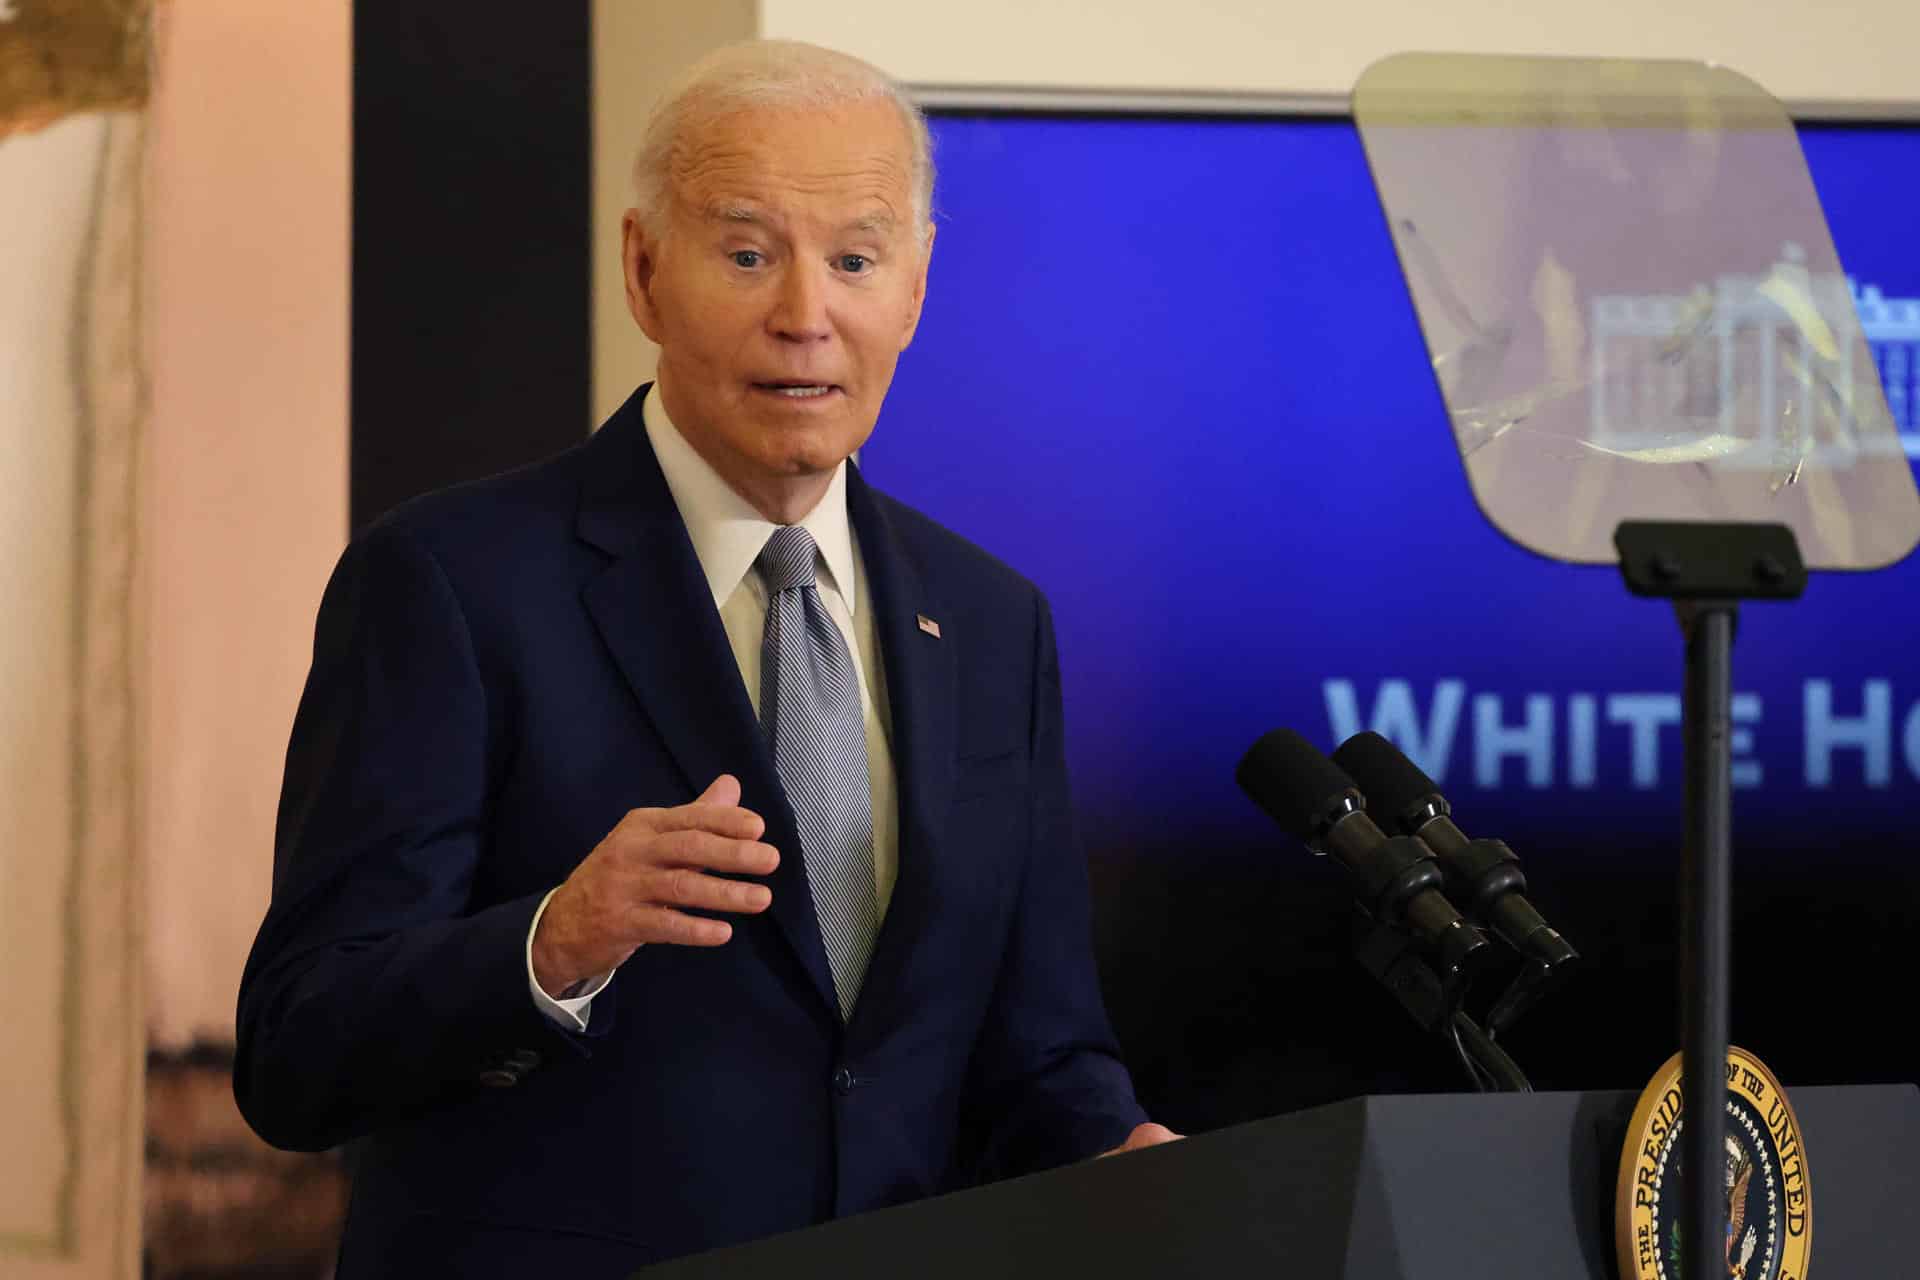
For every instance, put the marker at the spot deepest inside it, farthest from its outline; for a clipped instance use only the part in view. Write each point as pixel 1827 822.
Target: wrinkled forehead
pixel 854 159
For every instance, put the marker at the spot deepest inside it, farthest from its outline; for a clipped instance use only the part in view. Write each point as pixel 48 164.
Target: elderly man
pixel 675 845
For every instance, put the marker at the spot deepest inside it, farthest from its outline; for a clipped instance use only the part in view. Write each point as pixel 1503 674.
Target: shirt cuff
pixel 576 1004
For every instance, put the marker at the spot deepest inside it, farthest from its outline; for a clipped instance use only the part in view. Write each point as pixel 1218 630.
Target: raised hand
pixel 638 883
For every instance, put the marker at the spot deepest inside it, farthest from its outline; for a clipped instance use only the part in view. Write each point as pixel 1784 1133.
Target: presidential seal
pixel 1769 1209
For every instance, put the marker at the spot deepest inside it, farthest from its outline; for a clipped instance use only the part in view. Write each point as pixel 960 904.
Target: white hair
pixel 769 73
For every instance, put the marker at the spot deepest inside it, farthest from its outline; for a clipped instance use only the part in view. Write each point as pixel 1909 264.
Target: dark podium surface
pixel 1417 1187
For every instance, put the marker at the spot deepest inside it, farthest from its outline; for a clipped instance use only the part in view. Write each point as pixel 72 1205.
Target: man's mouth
pixel 797 390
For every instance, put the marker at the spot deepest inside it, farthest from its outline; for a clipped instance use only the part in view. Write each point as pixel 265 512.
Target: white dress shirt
pixel 727 535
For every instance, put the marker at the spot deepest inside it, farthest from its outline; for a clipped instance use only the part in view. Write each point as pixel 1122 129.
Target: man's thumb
pixel 723 790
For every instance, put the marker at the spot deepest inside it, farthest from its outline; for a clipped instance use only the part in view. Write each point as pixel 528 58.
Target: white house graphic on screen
pixel 1737 358
pixel 1892 327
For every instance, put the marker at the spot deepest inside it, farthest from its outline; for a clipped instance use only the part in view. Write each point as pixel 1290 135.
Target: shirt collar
pixel 727 533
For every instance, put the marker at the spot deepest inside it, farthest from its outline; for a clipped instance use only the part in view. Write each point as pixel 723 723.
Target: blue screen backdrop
pixel 1169 370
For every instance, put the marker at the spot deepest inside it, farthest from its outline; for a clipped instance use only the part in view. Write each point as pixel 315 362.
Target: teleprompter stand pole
pixel 1707 927
pixel 1706 570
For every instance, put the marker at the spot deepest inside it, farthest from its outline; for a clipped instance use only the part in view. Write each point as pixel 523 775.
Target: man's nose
pixel 800 313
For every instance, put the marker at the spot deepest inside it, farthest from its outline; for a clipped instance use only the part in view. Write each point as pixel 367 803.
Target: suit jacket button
pixel 499 1078
pixel 843 1081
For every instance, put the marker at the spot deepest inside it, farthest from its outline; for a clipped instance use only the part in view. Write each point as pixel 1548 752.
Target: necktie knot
pixel 786 561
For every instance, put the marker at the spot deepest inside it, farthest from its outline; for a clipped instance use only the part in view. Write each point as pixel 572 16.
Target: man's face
pixel 787 281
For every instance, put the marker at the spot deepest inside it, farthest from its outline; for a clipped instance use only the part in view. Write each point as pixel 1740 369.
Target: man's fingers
pixel 705 851
pixel 686 887
pixel 717 809
pixel 722 820
pixel 1145 1135
pixel 676 928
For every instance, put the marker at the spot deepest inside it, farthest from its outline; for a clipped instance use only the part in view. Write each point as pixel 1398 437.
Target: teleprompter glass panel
pixel 1632 303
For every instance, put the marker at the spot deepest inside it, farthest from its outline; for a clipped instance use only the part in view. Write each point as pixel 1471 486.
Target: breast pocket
pixel 990 773
pixel 984 837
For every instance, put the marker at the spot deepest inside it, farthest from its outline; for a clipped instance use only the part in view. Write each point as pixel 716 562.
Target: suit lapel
pixel 920 675
pixel 655 612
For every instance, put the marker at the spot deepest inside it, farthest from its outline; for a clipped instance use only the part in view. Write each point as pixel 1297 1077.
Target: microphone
pixel 1484 873
pixel 1313 800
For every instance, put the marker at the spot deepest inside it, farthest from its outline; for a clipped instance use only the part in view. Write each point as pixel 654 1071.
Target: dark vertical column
pixel 472 199
pixel 1707 927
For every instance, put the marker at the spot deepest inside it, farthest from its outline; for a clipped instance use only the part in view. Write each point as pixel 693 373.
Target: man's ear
pixel 919 290
pixel 639 256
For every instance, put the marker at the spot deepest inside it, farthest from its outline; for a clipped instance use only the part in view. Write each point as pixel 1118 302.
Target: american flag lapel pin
pixel 927 625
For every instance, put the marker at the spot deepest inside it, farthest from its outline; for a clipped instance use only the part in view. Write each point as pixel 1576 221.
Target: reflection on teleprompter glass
pixel 1750 370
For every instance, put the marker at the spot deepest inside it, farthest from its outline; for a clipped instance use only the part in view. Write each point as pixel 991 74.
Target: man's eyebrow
pixel 879 220
pixel 729 211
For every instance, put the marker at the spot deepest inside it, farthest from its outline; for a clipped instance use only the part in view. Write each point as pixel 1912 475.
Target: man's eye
pixel 855 263
pixel 746 257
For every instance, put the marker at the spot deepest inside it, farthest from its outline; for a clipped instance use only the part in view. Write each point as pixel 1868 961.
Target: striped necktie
pixel 810 708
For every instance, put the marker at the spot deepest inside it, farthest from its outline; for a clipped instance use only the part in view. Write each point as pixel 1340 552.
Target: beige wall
pixel 638 45
pixel 1862 50
pixel 246 504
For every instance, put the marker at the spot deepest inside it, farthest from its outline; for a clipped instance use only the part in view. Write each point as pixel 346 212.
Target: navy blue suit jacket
pixel 500 672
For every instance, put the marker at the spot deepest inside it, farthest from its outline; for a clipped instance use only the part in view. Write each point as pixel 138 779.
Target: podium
pixel 1415 1187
